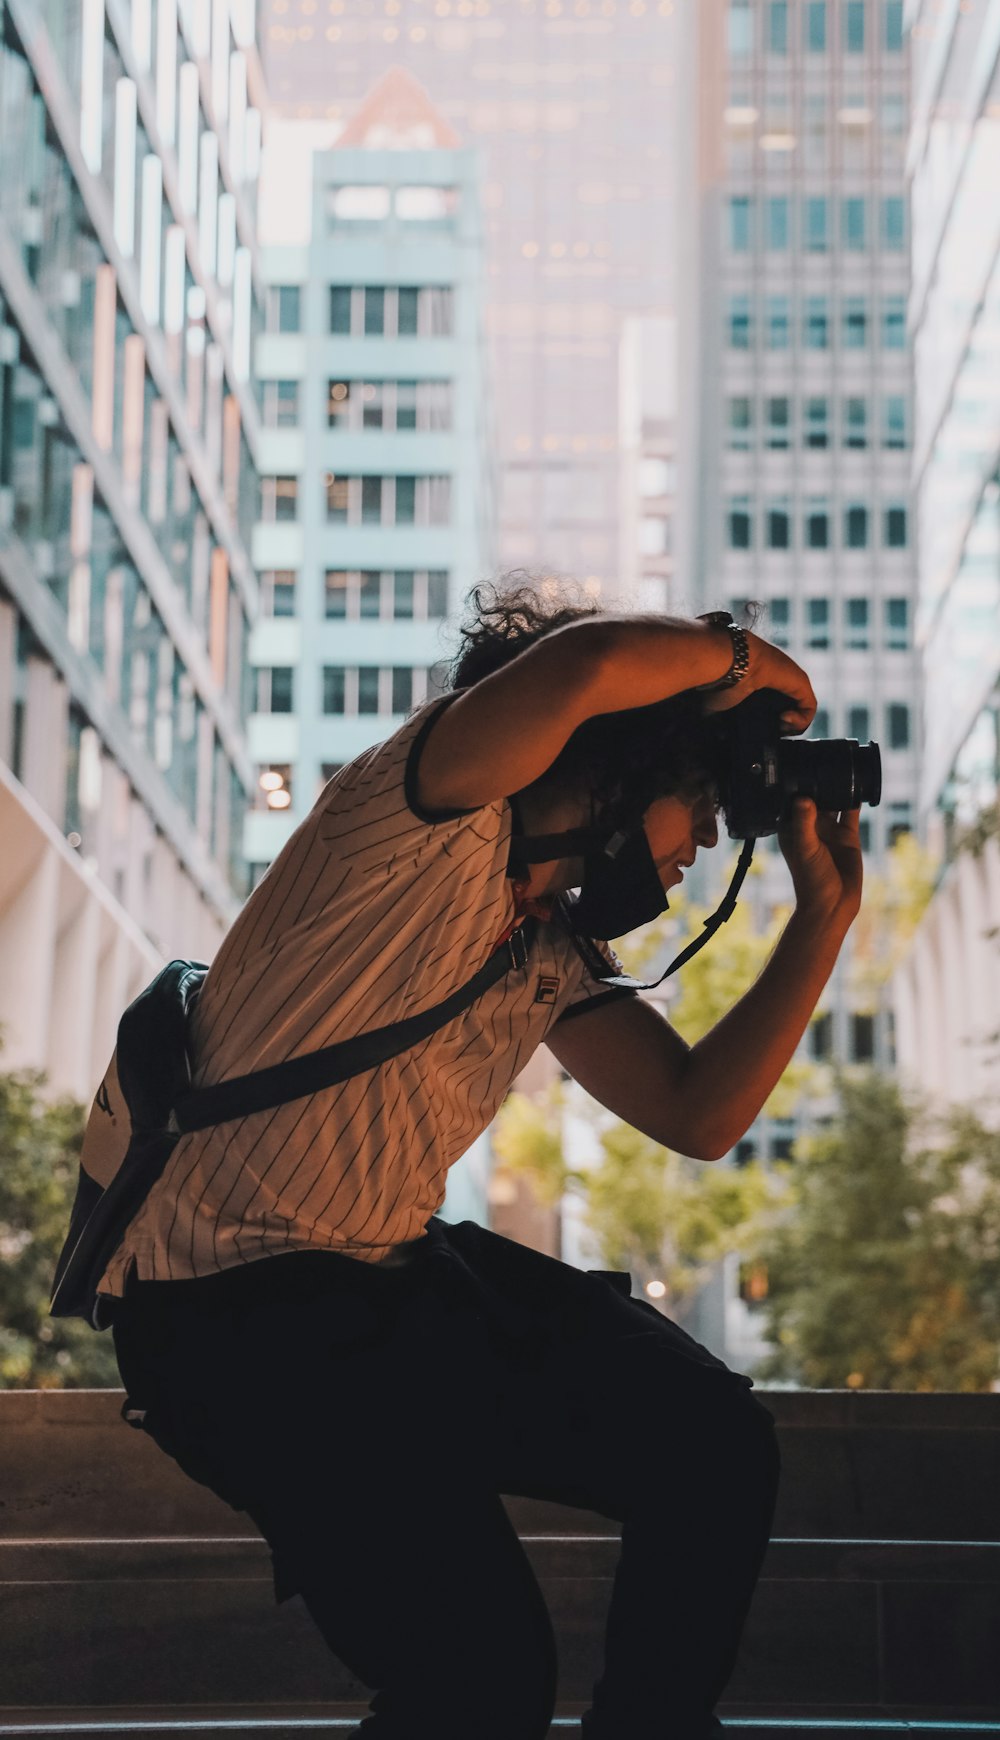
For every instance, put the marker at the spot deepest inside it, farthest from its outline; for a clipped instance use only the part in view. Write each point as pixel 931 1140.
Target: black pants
pixel 367 1419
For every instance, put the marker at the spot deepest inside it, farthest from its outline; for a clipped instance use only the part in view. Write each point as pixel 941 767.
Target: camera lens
pixel 837 773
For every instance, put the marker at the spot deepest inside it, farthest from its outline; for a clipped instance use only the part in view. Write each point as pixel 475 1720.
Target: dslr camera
pixel 760 772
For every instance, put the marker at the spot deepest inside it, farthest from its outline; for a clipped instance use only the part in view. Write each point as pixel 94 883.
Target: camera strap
pixel 723 911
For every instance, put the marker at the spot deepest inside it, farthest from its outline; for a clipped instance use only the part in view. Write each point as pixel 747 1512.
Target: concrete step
pixel 302 1721
pixel 877 1466
pixel 833 1622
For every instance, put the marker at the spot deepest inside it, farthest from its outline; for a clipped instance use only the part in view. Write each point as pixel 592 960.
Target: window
pixel 777 27
pixel 372 404
pixel 776 216
pixel 740 27
pixel 275 688
pixel 739 223
pixel 279 498
pixel 334 689
pixel 894 421
pixel 338 404
pixel 408 309
pixel 336 595
pixel 337 497
pixel 403 589
pixel 374 321
pixel 897 624
pixel 859 723
pixel 820 726
pixel 740 333
pixel 856 527
pixel 817 323
pixel 778 331
pixel 779 616
pixel 740 529
pixel 778 524
pixel 655 477
pixel 816 26
pixel 340 308
pixel 855 431
pixel 816 141
pixel 821 1036
pixel 856 624
pixel 778 422
pixel 862 1032
pixel 280 404
pixel 894 323
pixel 817 427
pixel 284 308
pixel 368 687
pixel 358 204
pixel 818 628
pixel 402 689
pixel 897 725
pixel 654 535
pixel 894 223
pixel 854 26
pixel 402 594
pixel 893 36
pixel 277 592
pixel 369 595
pixel 900 820
pixel 816 224
pixel 406 501
pixel 740 423
pixel 371 501
pixel 865 833
pixel 437 592
pixel 894 527
pixel 854 322
pixel 853 224
pixel 818 524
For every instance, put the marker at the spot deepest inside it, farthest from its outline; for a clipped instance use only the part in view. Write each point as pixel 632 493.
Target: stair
pixel 878 1610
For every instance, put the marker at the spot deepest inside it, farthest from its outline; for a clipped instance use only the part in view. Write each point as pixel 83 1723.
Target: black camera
pixel 760 773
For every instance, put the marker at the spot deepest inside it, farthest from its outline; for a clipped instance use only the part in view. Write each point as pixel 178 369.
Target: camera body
pixel 760 772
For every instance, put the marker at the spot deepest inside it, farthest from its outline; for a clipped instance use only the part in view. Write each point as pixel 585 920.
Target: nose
pixel 706 829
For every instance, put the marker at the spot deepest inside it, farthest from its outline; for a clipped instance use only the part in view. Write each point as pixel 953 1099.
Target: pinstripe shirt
pixel 372 911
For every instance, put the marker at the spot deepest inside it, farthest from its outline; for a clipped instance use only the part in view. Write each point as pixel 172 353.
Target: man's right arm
pixel 505 731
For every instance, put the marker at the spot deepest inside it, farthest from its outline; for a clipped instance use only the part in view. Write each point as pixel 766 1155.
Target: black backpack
pixel 145 1104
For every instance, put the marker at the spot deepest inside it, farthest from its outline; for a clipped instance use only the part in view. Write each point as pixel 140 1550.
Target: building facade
pixel 797 394
pixel 948 1008
pixel 129 138
pixel 571 104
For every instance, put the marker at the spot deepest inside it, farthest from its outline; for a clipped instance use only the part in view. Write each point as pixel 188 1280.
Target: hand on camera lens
pixel 770 668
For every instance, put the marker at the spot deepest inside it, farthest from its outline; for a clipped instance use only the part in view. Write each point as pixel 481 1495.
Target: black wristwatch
pixel 741 649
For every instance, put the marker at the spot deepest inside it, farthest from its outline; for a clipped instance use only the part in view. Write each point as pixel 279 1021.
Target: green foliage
pixel 896 898
pixel 39 1147
pixel 651 1211
pixel 884 1273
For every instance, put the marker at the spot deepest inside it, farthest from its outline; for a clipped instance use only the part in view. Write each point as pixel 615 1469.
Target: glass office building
pixel 948 1009
pixel 129 136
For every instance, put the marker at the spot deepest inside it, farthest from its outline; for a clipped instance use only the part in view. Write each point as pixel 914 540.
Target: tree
pixel 896 898
pixel 39 1149
pixel 884 1272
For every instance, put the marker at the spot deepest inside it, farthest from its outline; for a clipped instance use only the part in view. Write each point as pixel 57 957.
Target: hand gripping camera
pixel 760 773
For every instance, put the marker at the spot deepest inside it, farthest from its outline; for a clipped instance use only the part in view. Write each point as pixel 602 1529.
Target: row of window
pixel 364 501
pixel 369 310
pixel 857 723
pixel 777 525
pixel 859 21
pixel 387 595
pixel 347 689
pixel 818 629
pixel 769 222
pixel 813 324
pixel 770 422
pixel 350 404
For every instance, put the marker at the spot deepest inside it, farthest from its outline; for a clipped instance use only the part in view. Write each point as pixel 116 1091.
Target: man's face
pixel 675 827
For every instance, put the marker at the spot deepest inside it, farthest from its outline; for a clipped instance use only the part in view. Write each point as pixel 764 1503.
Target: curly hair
pixel 625 759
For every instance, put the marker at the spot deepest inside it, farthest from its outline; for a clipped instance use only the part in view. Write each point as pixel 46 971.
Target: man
pixel 369 1397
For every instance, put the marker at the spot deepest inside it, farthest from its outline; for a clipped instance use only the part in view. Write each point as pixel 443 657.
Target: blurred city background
pixel 314 314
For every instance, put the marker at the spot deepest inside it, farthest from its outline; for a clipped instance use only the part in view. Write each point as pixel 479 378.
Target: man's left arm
pixel 701 1099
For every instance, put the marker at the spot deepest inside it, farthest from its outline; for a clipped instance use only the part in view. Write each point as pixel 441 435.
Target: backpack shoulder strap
pixel 263 1089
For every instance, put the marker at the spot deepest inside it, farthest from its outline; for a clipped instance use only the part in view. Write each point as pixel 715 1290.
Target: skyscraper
pixel 570 103
pixel 795 355
pixel 948 1009
pixel 129 140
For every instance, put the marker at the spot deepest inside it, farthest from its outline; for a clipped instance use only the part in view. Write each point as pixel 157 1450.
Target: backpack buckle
pixel 517 948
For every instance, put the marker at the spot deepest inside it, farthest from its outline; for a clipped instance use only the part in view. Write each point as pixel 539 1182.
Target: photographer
pixel 367 1399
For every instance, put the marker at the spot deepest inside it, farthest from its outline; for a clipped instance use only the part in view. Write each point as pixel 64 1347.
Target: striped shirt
pixel 372 911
